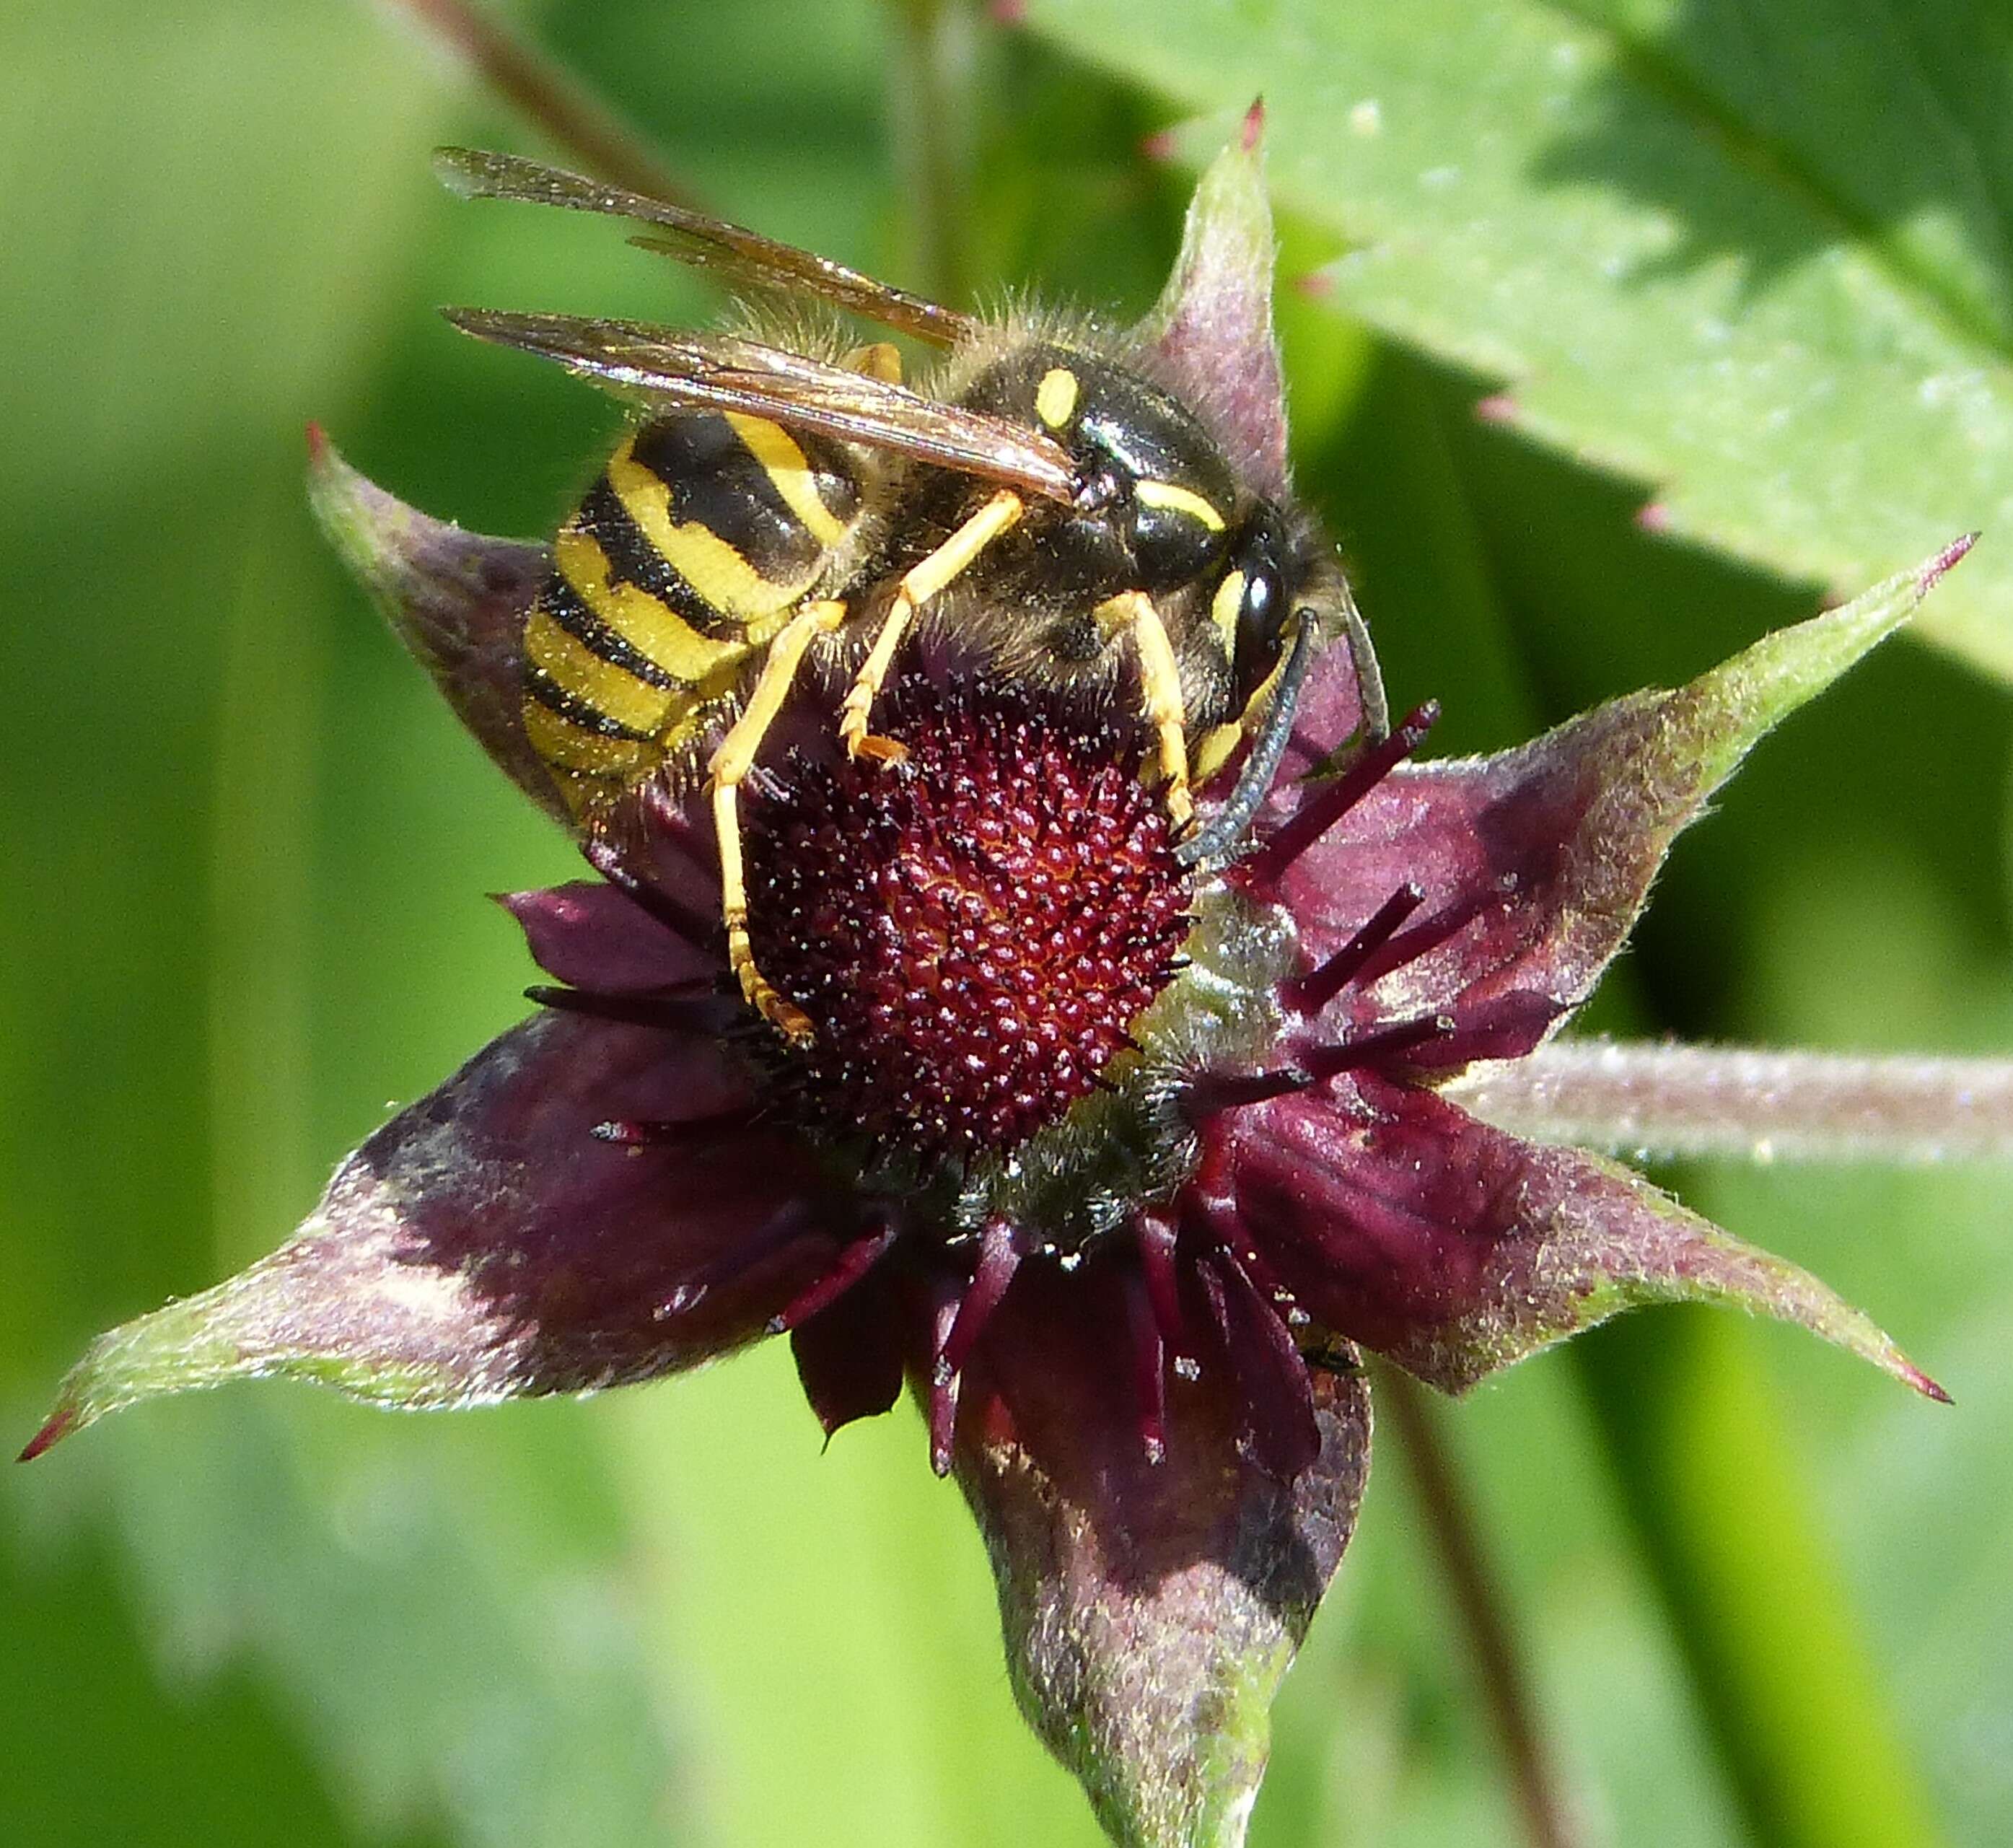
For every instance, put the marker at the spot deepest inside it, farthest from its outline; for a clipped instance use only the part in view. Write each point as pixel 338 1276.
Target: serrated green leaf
pixel 1759 264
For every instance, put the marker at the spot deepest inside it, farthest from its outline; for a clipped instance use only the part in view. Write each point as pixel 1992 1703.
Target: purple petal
pixel 457 599
pixel 594 937
pixel 486 1244
pixel 1455 1249
pixel 1277 1423
pixel 850 1357
pixel 1150 1608
pixel 1535 863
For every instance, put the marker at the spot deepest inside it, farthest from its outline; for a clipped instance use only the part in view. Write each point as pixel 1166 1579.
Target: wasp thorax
pixel 974 931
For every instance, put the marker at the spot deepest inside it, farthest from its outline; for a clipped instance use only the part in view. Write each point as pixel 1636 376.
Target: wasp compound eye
pixel 1258 633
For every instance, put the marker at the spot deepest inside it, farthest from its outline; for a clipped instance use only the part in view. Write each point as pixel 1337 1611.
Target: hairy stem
pixel 1549 1822
pixel 1673 1100
pixel 544 93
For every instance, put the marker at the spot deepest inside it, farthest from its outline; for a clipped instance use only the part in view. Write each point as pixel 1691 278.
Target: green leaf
pixel 1756 258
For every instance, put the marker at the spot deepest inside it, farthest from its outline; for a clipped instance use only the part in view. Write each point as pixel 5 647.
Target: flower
pixel 1119 1160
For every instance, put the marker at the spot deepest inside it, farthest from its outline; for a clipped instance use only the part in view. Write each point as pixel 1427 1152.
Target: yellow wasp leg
pixel 881 360
pixel 928 579
pixel 729 768
pixel 1161 688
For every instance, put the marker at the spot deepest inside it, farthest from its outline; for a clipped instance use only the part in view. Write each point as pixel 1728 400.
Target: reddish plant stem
pixel 1549 1822
pixel 546 94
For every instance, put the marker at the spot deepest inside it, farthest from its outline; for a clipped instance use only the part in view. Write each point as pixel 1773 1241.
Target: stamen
pixel 1373 1048
pixel 1157 1238
pixel 854 1263
pixel 1149 1369
pixel 1214 1092
pixel 1421 938
pixel 1331 800
pixel 1000 1254
pixel 638 1132
pixel 1309 993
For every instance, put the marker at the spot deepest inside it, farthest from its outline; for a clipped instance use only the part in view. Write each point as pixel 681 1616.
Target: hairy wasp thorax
pixel 1159 511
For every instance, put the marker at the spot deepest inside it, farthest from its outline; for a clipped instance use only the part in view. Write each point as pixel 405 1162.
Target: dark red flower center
pixel 972 931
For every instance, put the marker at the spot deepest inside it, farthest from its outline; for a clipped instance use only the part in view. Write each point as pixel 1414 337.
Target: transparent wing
pixel 664 367
pixel 710 243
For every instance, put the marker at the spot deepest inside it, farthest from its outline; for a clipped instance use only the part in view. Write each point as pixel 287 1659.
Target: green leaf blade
pixel 1663 289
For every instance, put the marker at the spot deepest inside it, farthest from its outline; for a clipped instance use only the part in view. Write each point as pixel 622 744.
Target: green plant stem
pixel 546 94
pixel 1482 1613
pixel 931 97
pixel 1710 1483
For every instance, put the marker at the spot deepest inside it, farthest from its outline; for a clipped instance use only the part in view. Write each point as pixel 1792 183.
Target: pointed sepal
pixel 458 600
pixel 584 1204
pixel 1455 1249
pixel 1152 1594
pixel 1532 866
pixel 1211 331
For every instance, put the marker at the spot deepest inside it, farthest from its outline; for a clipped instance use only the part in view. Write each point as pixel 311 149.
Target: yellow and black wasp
pixel 1065 516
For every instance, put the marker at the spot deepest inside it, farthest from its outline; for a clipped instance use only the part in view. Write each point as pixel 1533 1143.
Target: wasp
pixel 1038 497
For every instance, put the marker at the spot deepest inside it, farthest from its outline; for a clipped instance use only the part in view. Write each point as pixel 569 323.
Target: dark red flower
pixel 1118 1162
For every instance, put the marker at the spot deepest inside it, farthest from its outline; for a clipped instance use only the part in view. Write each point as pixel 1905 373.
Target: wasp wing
pixel 666 369
pixel 710 243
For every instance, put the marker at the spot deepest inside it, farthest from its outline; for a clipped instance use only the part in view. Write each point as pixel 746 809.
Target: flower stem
pixel 1549 1822
pixel 1663 1101
pixel 544 93
pixel 931 96
pixel 1788 1688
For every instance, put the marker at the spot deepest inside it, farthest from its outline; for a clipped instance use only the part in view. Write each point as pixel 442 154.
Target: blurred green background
pixel 1766 1596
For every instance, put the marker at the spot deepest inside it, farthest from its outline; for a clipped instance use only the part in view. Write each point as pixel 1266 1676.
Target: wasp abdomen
pixel 689 553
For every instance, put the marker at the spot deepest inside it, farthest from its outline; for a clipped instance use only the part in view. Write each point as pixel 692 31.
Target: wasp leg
pixel 1161 690
pixel 928 579
pixel 729 768
pixel 881 360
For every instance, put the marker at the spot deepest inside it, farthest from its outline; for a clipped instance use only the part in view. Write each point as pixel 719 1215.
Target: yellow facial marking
pixel 1055 397
pixel 1223 607
pixel 1175 498
pixel 648 626
pixel 783 462
pixel 706 561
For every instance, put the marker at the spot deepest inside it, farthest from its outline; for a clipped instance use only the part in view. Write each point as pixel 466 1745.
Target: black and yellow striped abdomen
pixel 691 550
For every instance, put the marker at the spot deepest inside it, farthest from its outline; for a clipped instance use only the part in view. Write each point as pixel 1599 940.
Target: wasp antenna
pixel 1216 842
